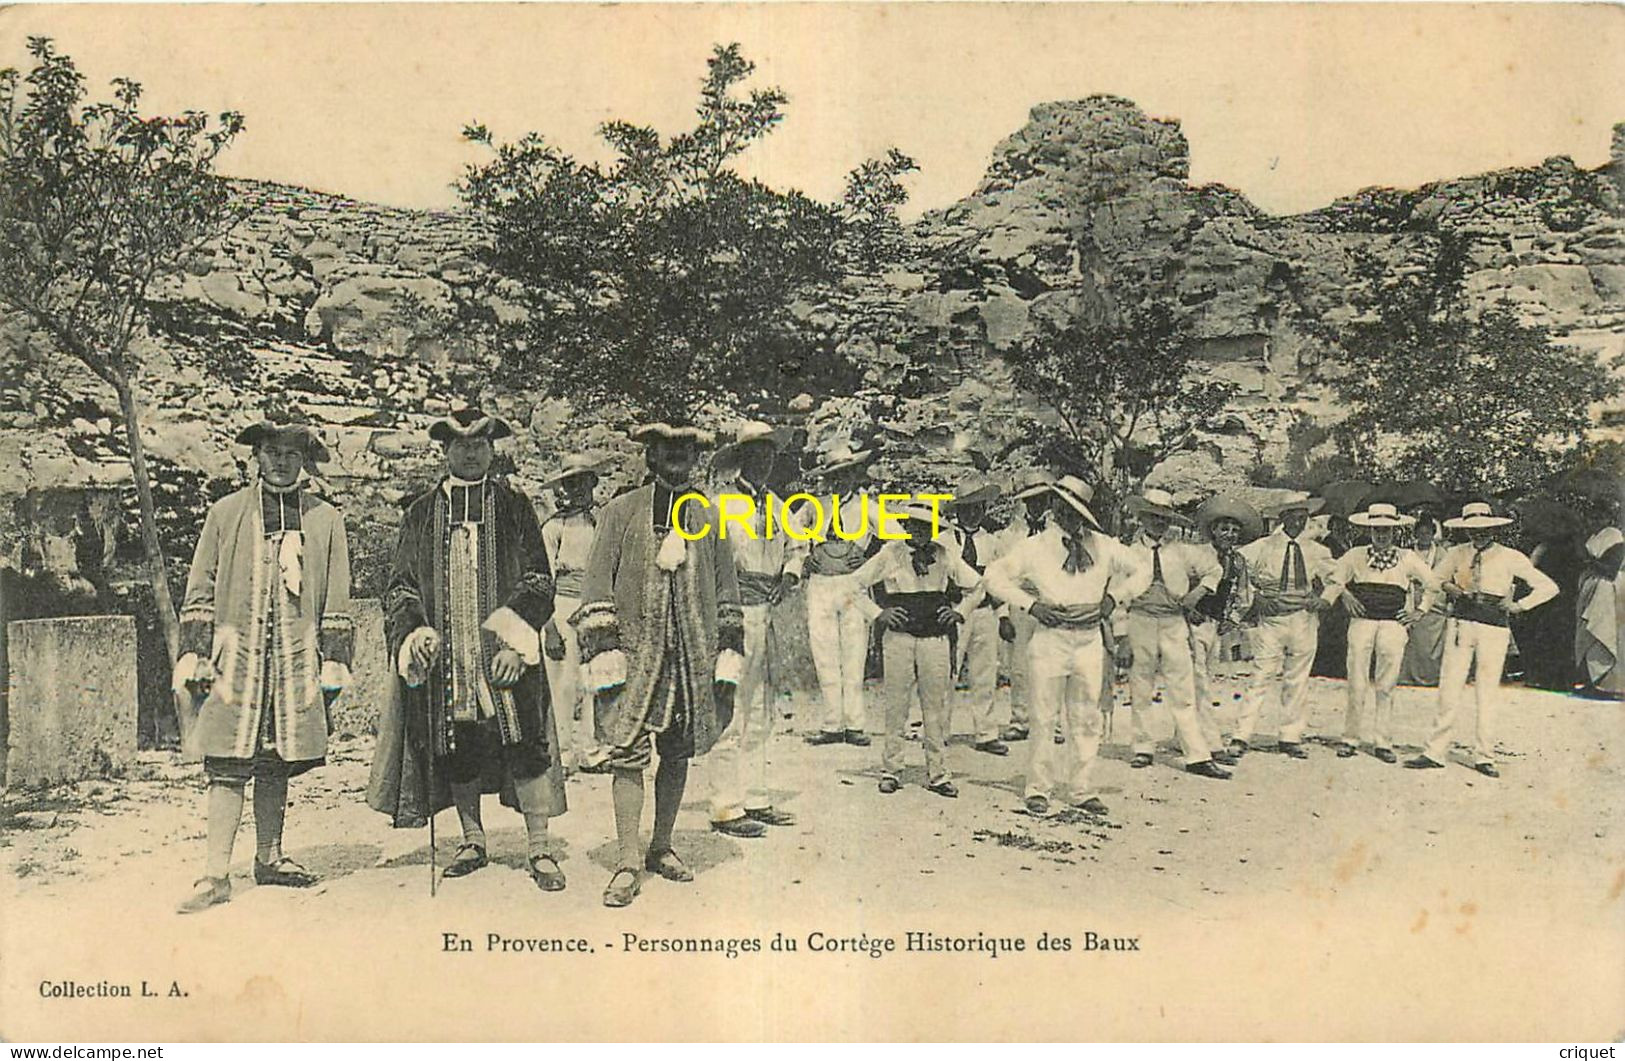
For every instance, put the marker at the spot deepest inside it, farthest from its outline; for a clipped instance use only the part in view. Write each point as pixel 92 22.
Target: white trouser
pixel 1283 652
pixel 1066 669
pixel 916 666
pixel 572 703
pixel 1021 668
pixel 979 653
pixel 1464 643
pixel 736 766
pixel 839 636
pixel 1382 640
pixel 1207 666
pixel 1162 645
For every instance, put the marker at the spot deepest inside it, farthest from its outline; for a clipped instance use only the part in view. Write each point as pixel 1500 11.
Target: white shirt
pixel 894 566
pixel 1494 574
pixel 1355 566
pixel 568 541
pixel 756 552
pixel 1035 570
pixel 1264 559
pixel 1184 567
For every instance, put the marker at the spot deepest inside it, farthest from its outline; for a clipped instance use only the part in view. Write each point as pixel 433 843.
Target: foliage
pixel 1476 405
pixel 1121 385
pixel 97 203
pixel 666 280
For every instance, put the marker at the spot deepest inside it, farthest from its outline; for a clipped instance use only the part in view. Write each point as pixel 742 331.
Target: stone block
pixel 355 712
pixel 72 704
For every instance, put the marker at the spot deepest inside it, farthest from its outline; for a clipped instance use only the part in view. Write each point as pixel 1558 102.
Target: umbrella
pixel 1410 494
pixel 1546 520
pixel 1345 496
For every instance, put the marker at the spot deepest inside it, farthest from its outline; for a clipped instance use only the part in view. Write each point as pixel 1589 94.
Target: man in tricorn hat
pixel 266 638
pixel 979 642
pixel 567 536
pixel 1068 577
pixel 662 643
pixel 1374 583
pixel 468 596
pixel 837 631
pixel 1159 636
pixel 1478 578
pixel 1288 570
pixel 768 567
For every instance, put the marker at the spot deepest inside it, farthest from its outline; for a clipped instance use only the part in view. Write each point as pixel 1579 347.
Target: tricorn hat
pixel 255 433
pixel 1077 493
pixel 1220 507
pixel 469 423
pixel 573 465
pixel 1477 515
pixel 646 433
pixel 1378 514
pixel 1154 502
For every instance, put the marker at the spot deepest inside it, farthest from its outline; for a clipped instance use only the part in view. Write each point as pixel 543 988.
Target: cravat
pixel 969 552
pixel 1292 566
pixel 1156 563
pixel 1077 557
pixel 1478 569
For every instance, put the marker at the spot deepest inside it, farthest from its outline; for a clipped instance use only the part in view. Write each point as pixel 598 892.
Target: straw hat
pixel 1076 492
pixel 575 464
pixel 1220 507
pixel 751 432
pixel 1378 514
pixel 1154 502
pixel 841 458
pixel 1477 515
pixel 1307 504
pixel 1033 482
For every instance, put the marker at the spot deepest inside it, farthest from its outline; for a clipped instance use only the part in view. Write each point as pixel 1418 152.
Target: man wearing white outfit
pixel 1477 577
pixel 567 536
pixel 1159 636
pixel 1068 578
pixel 1288 570
pixel 1015 626
pixel 917 614
pixel 768 568
pixel 837 629
pixel 978 648
pixel 1374 583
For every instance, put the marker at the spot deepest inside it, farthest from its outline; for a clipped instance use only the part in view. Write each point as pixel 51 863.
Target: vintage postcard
pixel 841 521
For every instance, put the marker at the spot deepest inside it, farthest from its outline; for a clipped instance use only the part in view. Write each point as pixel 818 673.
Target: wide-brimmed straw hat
pixel 1477 515
pixel 1220 507
pixel 575 464
pixel 1077 493
pixel 841 458
pixel 303 433
pixel 647 433
pixel 1034 482
pixel 469 423
pixel 1307 504
pixel 1154 502
pixel 1378 514
pixel 750 433
pixel 985 494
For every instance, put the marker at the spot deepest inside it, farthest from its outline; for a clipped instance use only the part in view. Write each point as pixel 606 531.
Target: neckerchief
pixel 1383 559
pixel 922 556
pixel 1077 553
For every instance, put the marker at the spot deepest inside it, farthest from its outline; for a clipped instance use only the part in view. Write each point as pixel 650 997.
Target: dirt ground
pixel 1327 899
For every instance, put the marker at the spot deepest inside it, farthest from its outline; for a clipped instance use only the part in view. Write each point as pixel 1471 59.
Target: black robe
pixel 416 721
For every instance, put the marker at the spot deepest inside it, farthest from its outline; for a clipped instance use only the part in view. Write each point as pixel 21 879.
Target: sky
pixel 1294 105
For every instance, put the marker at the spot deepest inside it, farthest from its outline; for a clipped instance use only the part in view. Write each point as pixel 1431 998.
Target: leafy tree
pixel 666 280
pixel 97 203
pixel 1483 404
pixel 1119 379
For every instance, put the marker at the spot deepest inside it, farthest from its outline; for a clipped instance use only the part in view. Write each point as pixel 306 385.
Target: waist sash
pixel 1381 600
pixel 1481 608
pixel 756 587
pixel 921 611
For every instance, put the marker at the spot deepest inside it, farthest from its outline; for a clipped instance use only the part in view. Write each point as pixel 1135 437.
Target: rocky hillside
pixel 341 307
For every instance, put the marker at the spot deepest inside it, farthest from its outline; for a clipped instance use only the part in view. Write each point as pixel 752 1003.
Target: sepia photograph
pixel 812 522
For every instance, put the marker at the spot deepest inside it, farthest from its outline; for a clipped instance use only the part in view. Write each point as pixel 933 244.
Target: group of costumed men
pixel 602 640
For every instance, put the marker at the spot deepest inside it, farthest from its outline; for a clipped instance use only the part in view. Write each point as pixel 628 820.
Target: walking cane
pixel 434 867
